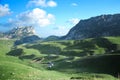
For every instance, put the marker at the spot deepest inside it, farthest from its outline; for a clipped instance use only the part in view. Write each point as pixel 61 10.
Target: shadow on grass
pixel 46 48
pixel 32 56
pixel 16 52
pixel 84 47
pixel 105 64
pixel 20 53
pixel 105 43
pixel 108 64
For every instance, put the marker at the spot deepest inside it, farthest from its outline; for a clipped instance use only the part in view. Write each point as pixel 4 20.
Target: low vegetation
pixel 89 59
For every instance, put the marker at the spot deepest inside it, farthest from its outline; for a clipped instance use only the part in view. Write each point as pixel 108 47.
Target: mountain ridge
pixel 99 26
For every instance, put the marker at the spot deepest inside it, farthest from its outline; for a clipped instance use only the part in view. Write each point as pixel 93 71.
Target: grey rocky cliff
pixel 18 32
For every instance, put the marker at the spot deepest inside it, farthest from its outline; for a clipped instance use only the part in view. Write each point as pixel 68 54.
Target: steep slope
pixel 104 25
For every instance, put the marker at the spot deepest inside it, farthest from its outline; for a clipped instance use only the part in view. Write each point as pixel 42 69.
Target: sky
pixel 52 17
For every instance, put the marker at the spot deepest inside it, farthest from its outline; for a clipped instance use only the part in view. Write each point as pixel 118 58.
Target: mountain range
pixel 99 26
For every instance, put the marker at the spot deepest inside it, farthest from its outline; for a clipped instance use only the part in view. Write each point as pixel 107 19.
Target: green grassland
pixel 89 59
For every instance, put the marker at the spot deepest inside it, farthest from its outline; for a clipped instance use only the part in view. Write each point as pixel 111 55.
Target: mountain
pixel 52 38
pixel 27 39
pixel 99 26
pixel 19 32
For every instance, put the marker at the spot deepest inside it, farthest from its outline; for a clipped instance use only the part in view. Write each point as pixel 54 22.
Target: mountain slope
pixel 104 25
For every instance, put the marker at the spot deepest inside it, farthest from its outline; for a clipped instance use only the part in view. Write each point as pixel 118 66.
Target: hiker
pixel 50 65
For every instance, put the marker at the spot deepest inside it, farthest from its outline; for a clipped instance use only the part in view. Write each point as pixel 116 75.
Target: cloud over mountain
pixel 4 10
pixel 36 17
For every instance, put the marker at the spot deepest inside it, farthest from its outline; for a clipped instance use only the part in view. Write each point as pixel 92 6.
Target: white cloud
pixel 61 30
pixel 74 21
pixel 36 17
pixel 74 4
pixel 4 10
pixel 42 3
pixel 51 3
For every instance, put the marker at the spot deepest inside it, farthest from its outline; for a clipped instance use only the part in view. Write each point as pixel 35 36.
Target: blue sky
pixel 52 17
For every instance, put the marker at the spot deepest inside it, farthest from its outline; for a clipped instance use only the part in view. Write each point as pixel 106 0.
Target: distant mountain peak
pixel 19 32
pixel 27 29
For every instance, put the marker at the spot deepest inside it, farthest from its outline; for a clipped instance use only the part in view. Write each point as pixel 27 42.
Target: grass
pixel 5 46
pixel 9 70
pixel 89 59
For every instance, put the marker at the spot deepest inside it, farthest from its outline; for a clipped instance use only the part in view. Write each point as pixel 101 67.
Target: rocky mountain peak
pixel 29 30
pixel 19 32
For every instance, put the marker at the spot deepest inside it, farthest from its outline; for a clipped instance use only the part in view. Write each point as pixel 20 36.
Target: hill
pixel 27 39
pixel 51 38
pixel 93 56
pixel 82 59
pixel 99 26
pixel 71 56
pixel 68 53
pixel 13 68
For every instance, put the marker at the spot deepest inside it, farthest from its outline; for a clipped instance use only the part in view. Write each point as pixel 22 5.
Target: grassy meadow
pixel 88 59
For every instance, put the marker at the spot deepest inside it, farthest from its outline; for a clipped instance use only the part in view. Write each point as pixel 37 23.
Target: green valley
pixel 88 59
